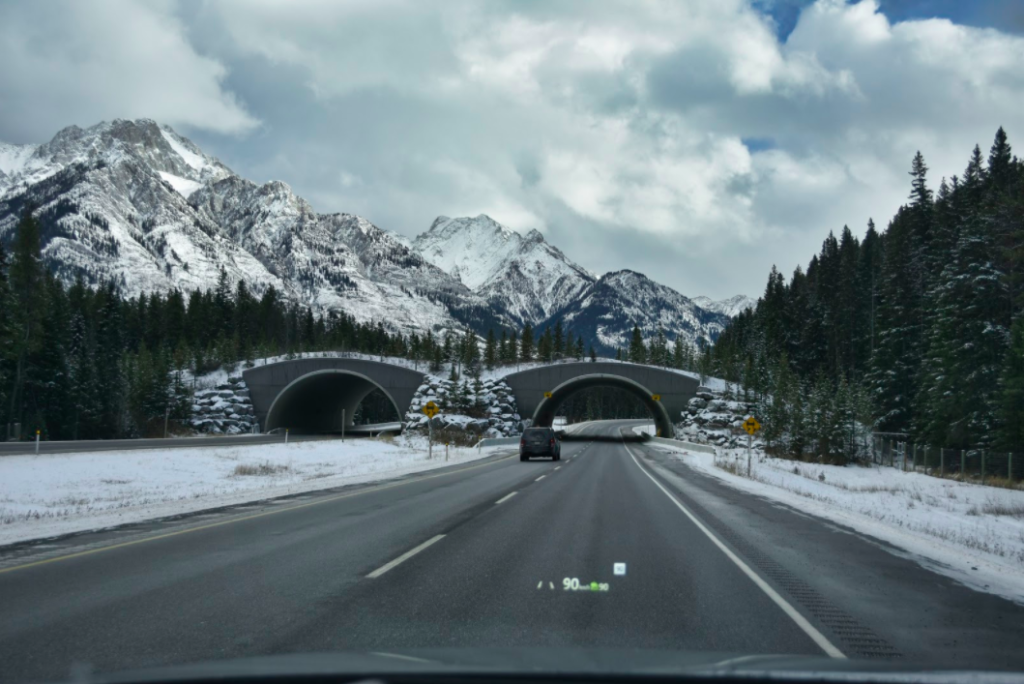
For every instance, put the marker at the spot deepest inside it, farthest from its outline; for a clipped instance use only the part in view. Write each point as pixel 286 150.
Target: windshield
pixel 522 337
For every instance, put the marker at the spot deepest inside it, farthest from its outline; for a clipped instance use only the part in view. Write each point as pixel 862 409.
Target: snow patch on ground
pixel 183 186
pixel 54 494
pixel 970 533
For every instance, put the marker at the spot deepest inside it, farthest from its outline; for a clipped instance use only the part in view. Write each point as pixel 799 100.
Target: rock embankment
pixel 712 418
pixel 223 409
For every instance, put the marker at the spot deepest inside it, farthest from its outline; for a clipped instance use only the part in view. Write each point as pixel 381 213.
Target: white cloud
pixel 76 62
pixel 625 117
pixel 632 113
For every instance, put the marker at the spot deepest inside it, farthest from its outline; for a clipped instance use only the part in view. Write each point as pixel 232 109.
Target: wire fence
pixel 893 449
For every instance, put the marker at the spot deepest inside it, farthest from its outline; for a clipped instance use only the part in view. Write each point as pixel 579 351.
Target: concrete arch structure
pixel 564 379
pixel 309 395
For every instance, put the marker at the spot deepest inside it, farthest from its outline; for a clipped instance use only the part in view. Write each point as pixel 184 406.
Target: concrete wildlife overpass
pixel 309 395
pixel 540 391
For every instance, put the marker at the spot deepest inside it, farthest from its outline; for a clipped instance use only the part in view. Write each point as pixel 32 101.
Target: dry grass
pixel 990 481
pixel 455 438
pixel 259 469
pixel 729 467
pixel 1011 510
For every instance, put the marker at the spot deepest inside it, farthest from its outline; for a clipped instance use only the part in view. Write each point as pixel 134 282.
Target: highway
pixel 478 556
pixel 84 445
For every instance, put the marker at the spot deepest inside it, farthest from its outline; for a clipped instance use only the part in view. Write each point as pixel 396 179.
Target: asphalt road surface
pixel 478 556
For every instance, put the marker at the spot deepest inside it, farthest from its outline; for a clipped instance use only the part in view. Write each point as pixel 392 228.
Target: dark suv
pixel 539 442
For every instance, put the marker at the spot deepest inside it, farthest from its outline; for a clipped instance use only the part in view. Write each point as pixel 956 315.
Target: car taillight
pixel 552 441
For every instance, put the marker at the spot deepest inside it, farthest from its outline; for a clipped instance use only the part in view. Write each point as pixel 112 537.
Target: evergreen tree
pixel 108 363
pixel 578 352
pixel 546 347
pixel 593 354
pixel 491 349
pixel 678 355
pixel 526 344
pixel 900 332
pixel 436 359
pixel 8 334
pixel 558 346
pixel 1011 393
pixel 513 348
pixel 26 277
pixel 637 350
pixel 659 349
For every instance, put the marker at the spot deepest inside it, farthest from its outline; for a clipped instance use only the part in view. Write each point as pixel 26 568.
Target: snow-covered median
pixel 47 495
pixel 971 533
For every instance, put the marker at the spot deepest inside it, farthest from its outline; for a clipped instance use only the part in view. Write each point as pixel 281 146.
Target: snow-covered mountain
pixel 138 204
pixel 524 277
pixel 731 307
pixel 607 311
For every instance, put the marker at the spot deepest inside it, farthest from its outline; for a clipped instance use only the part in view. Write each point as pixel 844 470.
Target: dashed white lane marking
pixel 540 478
pixel 404 557
pixel 558 467
pixel 801 622
pixel 504 498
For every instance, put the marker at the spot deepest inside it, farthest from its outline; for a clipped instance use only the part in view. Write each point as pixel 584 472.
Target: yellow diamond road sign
pixel 656 397
pixel 547 395
pixel 751 425
pixel 430 409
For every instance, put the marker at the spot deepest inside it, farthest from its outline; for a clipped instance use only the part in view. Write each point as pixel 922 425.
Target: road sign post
pixel 751 426
pixel 430 410
pixel 342 426
pixel 37 442
pixel 750 444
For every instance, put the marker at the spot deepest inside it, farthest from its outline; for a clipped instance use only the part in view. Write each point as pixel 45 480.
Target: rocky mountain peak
pixel 135 203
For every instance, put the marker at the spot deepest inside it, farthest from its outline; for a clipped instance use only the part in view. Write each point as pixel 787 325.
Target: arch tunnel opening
pixel 318 403
pixel 548 409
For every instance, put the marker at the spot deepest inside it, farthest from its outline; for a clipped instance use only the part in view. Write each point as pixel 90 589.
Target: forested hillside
pixel 84 363
pixel 916 329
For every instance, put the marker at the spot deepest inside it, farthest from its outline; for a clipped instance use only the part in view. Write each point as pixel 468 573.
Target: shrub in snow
pixel 482 408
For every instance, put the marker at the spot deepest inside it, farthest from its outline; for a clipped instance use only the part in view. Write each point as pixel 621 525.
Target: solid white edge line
pixel 504 498
pixel 404 557
pixel 540 478
pixel 782 603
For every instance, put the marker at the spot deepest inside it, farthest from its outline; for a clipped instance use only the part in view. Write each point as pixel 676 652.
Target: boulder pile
pixel 489 412
pixel 711 418
pixel 223 409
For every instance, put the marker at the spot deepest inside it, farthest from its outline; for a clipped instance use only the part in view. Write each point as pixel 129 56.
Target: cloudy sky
pixel 697 141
